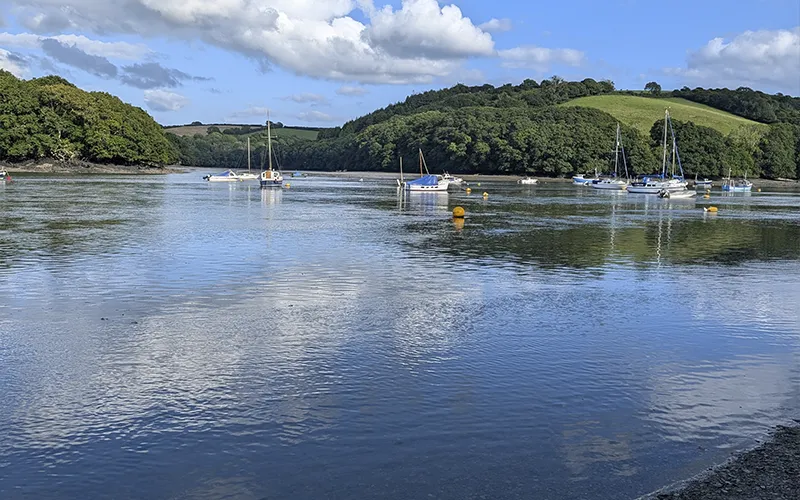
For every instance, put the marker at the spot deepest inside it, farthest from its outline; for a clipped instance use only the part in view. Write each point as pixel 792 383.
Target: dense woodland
pixel 481 129
pixel 51 118
pixel 521 130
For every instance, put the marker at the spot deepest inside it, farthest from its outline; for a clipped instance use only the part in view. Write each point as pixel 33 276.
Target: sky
pixel 323 62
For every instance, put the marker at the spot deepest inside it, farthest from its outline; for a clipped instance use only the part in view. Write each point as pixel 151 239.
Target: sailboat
pixel 658 183
pixel 270 177
pixel 614 182
pixel 427 182
pixel 736 185
pixel 249 175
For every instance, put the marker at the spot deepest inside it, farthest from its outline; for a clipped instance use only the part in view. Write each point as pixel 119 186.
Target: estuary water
pixel 167 338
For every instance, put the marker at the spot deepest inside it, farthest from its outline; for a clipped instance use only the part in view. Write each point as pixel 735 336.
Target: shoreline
pixel 771 470
pixel 50 166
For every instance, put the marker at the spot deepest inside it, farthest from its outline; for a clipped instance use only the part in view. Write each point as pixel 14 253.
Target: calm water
pixel 161 337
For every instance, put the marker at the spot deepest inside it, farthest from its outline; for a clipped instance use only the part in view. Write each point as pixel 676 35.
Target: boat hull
pixel 441 188
pixel 616 186
pixel 248 177
pixel 528 181
pixel 737 189
pixel 223 179
pixel 656 188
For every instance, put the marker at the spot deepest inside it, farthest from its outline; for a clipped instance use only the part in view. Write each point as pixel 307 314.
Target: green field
pixel 642 112
pixel 276 132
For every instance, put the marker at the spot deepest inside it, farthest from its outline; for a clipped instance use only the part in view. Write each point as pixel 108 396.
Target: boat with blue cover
pixel 426 183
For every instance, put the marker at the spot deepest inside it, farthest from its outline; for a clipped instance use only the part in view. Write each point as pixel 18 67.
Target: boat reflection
pixel 422 202
pixel 271 196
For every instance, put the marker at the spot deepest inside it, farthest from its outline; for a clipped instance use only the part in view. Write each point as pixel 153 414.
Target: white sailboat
pixel 656 183
pixel 452 179
pixel 426 183
pixel 249 175
pixel 270 177
pixel 614 182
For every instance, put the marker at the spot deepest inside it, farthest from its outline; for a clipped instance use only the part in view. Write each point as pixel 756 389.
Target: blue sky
pixel 322 62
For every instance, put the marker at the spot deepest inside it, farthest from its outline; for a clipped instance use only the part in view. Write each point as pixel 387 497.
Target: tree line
pixel 49 117
pixel 518 139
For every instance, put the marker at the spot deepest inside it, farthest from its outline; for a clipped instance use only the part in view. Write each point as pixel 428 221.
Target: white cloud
pixel 307 97
pixel 117 50
pixel 13 63
pixel 540 58
pixel 250 112
pixel 495 25
pixel 770 58
pixel 352 91
pixel 419 42
pixel 163 100
pixel 422 28
pixel 316 116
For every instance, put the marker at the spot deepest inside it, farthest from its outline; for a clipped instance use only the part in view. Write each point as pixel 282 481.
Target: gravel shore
pixel 83 167
pixel 769 472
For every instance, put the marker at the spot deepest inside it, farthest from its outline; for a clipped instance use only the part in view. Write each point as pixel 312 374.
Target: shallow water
pixel 162 337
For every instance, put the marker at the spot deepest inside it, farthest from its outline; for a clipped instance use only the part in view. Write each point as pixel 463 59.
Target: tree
pixel 653 87
pixel 777 156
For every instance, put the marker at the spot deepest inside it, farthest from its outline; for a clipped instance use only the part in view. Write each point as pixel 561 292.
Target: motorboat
pixel 226 176
pixel 270 177
pixel 527 180
pixel 4 177
pixel 704 184
pixel 582 180
pixel 736 185
pixel 656 183
pixel 664 193
pixel 452 179
pixel 614 182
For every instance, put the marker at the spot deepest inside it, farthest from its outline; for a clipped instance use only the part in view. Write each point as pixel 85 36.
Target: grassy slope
pixel 641 112
pixel 276 132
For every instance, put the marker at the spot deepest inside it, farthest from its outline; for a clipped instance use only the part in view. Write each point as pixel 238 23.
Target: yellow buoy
pixel 485 194
pixel 458 212
pixel 706 196
pixel 759 190
pixel 711 209
pixel 469 190
pixel 478 184
pixel 288 185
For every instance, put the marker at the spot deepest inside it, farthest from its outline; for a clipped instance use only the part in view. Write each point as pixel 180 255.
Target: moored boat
pixel 527 180
pixel 270 177
pixel 676 194
pixel 249 175
pixel 614 182
pixel 736 185
pixel 452 179
pixel 704 184
pixel 226 176
pixel 672 183
pixel 4 177
pixel 426 182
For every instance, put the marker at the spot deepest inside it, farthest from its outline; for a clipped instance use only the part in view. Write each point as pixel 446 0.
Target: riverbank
pixel 50 166
pixel 758 183
pixel 769 472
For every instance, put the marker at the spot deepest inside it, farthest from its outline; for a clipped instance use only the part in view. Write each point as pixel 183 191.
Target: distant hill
pixel 641 112
pixel 243 129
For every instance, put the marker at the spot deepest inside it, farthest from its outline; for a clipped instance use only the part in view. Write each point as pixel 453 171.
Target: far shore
pixel 49 166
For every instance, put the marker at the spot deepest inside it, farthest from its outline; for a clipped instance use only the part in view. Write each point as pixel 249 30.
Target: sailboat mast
pixel 248 154
pixel 420 162
pixel 401 168
pixel 664 159
pixel 616 152
pixel 269 142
